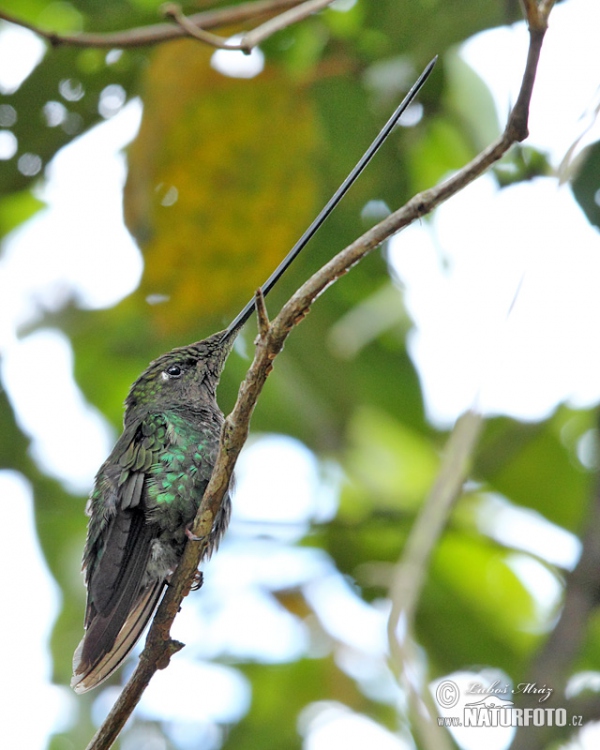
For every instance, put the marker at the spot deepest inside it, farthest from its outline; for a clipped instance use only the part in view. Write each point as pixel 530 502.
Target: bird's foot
pixel 190 535
pixel 198 581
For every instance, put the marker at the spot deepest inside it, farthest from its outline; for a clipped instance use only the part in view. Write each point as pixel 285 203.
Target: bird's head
pixel 187 376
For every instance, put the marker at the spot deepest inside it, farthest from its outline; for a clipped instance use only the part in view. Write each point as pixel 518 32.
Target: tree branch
pixel 252 38
pixel 159 645
pixel 158 33
pixel 411 572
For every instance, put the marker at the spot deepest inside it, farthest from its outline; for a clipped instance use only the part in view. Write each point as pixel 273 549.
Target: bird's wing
pixel 119 600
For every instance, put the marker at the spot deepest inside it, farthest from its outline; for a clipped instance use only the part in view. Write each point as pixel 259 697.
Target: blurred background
pixel 144 194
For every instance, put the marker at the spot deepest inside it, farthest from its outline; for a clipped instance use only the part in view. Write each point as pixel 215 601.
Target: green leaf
pixel 586 185
pixel 475 610
pixel 195 156
pixel 17 208
pixel 389 465
pixel 536 466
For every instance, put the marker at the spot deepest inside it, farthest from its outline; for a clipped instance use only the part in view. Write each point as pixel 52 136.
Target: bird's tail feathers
pixel 87 676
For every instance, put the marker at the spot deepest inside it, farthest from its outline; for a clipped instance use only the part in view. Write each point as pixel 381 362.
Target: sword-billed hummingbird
pixel 148 490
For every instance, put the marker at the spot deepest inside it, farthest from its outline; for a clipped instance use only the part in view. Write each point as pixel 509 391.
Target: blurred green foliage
pixel 328 85
pixel 587 182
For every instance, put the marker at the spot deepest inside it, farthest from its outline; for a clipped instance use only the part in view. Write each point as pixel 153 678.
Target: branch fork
pixel 250 39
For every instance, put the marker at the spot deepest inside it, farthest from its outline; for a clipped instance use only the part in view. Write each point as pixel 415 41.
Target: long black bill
pixel 243 316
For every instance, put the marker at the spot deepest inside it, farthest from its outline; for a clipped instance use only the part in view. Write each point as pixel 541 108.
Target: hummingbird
pixel 145 498
pixel 147 492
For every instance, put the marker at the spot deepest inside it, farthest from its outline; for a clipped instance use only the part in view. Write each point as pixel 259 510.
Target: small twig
pixel 261 314
pixel 235 430
pixel 431 521
pixel 252 38
pixel 411 571
pixel 172 10
pixel 158 33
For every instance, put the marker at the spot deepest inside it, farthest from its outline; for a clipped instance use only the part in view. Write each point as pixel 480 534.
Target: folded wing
pixel 121 598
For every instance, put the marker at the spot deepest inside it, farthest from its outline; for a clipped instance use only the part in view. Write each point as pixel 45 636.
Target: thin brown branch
pixel 159 645
pixel 411 572
pixel 296 14
pixel 431 522
pixel 252 38
pixel 172 10
pixel 158 33
pixel 536 14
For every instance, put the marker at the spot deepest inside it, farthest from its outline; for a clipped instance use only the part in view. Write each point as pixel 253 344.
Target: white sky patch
pixel 237 588
pixel 235 63
pixel 266 563
pixel 461 277
pixel 278 484
pixel 78 247
pixel 20 51
pixel 527 530
pixel 543 587
pixel 328 724
pixel 30 604
pixel 342 6
pixel 8 145
pixel 254 626
pixel 192 691
pixel 373 676
pixel 346 616
pixel 70 438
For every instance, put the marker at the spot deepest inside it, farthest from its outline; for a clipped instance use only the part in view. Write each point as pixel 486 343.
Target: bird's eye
pixel 174 371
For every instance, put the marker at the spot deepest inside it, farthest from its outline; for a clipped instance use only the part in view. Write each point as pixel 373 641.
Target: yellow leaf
pixel 221 182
